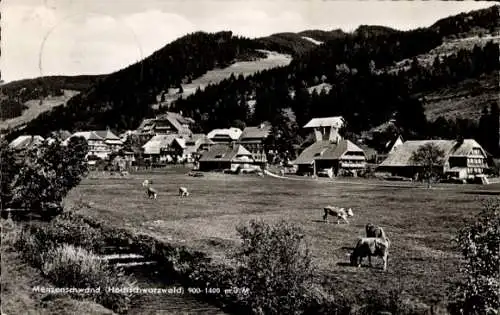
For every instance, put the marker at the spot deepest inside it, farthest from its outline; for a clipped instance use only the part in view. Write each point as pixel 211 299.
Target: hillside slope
pixel 352 64
pixel 23 100
pixel 215 76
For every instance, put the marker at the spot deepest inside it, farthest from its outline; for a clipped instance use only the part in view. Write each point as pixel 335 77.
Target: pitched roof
pixel 258 132
pixel 106 134
pixel 177 120
pixel 308 155
pixel 158 142
pixel 181 142
pixel 23 142
pixel 233 133
pixel 336 150
pixel 401 156
pixel 88 135
pixel 336 121
pixel 224 153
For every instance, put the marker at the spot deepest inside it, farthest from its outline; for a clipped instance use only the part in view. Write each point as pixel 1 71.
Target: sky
pixel 72 37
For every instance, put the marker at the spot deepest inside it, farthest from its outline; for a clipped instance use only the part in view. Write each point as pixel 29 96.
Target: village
pixel 167 139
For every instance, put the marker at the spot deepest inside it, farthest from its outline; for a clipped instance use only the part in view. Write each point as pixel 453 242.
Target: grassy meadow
pixel 421 223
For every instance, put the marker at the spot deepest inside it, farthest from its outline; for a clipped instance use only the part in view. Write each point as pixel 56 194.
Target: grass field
pixel 420 222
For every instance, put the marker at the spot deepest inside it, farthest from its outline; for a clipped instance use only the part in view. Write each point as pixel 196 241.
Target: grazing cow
pixel 340 213
pixel 151 192
pixel 376 231
pixel 370 246
pixel 183 192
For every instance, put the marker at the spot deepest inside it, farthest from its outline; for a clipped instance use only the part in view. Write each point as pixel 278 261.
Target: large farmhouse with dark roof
pixel 462 159
pixel 222 156
pixel 330 151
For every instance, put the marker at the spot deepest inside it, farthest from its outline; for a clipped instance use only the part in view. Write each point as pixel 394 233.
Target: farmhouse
pixel 462 159
pixel 165 124
pixel 389 147
pixel 158 148
pixel 253 139
pixel 196 145
pixel 330 152
pixel 228 135
pixel 101 142
pixel 222 156
pixel 337 156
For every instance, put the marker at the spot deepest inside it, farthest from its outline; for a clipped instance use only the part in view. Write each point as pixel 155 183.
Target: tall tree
pixel 430 158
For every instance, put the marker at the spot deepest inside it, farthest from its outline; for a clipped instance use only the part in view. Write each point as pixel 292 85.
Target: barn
pixel 341 155
pixel 222 157
pixel 462 158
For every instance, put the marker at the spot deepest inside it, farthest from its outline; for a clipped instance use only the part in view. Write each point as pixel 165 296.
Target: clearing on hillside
pixel 35 108
pixel 244 68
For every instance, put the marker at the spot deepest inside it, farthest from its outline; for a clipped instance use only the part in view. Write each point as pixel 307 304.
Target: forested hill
pixel 351 67
pixel 14 95
pixel 122 99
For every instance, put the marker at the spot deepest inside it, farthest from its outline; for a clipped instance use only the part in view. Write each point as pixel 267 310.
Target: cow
pixel 183 192
pixel 151 192
pixel 370 246
pixel 376 231
pixel 340 213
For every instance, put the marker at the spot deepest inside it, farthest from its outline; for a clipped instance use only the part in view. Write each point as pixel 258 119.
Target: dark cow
pixel 376 231
pixel 370 246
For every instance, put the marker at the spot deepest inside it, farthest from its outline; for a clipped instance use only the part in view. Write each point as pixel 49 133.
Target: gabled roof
pixel 106 134
pixel 232 133
pixel 224 153
pixel 336 150
pixel 335 121
pixel 401 156
pixel 88 135
pixel 390 144
pixel 23 142
pixel 181 142
pixel 311 152
pixel 258 132
pixel 155 144
pixel 179 122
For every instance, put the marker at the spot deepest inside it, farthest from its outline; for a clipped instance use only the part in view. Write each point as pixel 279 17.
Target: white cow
pixel 183 192
pixel 150 191
pixel 340 213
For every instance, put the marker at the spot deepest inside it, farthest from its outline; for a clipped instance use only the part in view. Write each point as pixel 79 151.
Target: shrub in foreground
pixel 479 244
pixel 275 265
pixel 69 266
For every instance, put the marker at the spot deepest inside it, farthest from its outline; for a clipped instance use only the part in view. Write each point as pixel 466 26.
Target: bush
pixel 479 244
pixel 375 302
pixel 275 265
pixel 69 266
pixel 33 247
pixel 45 176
